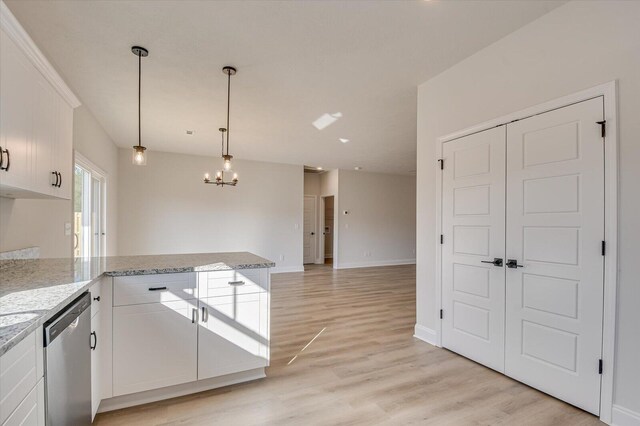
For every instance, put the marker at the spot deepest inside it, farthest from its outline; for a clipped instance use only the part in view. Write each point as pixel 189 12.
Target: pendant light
pixel 226 157
pixel 139 155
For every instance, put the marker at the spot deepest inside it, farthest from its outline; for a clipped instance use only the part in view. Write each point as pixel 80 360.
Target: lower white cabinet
pixel 154 345
pixel 22 384
pixel 232 334
pixel 30 412
pixel 96 350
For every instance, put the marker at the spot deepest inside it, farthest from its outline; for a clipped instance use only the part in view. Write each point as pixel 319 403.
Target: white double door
pixel 528 196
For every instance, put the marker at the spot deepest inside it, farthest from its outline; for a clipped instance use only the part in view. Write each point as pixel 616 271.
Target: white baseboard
pixel 140 398
pixel 284 269
pixel 372 263
pixel 426 335
pixel 621 416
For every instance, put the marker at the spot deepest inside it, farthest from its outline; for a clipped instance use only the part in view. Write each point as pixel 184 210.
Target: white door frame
pixel 334 230
pixel 96 171
pixel 315 228
pixel 609 93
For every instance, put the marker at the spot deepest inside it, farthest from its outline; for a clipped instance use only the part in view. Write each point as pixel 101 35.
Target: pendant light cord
pixel 228 105
pixel 139 95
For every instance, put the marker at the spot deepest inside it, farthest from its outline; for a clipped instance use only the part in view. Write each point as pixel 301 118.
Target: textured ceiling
pixel 296 60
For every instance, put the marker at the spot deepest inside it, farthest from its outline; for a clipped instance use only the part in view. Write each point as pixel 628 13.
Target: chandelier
pixel 226 171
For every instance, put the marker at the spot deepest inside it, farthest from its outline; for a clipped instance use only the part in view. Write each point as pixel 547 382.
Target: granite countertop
pixel 32 291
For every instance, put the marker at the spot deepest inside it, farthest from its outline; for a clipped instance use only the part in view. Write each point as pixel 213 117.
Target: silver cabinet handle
pixel 205 314
pixel 194 315
pixel 236 283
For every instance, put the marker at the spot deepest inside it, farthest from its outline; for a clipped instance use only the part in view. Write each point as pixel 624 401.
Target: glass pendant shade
pixel 139 156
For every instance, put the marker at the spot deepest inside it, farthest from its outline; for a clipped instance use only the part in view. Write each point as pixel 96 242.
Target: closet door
pixel 473 206
pixel 555 227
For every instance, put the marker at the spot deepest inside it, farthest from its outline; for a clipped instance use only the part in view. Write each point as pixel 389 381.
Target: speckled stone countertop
pixel 32 291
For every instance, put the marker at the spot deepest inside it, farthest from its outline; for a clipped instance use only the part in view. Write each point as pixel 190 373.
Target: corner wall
pixel 574 47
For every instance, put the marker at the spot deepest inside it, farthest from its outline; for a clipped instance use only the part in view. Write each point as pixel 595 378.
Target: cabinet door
pixel 30 412
pixel 63 155
pixel 16 101
pixel 232 334
pixel 44 137
pixel 154 345
pixel 96 346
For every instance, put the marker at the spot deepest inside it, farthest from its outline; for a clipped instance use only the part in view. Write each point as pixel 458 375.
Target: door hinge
pixel 604 248
pixel 441 314
pixel 599 366
pixel 441 239
pixel 441 161
pixel 603 127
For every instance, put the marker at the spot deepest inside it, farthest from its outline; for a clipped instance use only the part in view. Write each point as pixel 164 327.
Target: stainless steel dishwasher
pixel 67 341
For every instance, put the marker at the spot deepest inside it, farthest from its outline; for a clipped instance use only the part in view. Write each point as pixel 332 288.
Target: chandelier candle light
pixel 226 157
pixel 139 155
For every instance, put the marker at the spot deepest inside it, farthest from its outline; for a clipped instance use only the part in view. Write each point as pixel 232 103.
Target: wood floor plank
pixel 363 367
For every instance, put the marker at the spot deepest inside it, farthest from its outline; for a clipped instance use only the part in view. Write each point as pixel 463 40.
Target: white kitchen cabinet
pixel 96 349
pixel 30 412
pixel 36 135
pixel 232 334
pixel 21 383
pixel 154 345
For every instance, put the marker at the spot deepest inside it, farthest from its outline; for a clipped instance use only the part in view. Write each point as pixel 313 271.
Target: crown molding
pixel 14 30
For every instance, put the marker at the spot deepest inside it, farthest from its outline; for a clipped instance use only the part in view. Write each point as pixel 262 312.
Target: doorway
pixel 328 229
pixel 522 268
pixel 88 210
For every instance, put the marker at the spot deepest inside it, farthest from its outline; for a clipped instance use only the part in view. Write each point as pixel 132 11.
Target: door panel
pixel 309 228
pixel 473 226
pixel 555 225
pixel 232 334
pixel 154 345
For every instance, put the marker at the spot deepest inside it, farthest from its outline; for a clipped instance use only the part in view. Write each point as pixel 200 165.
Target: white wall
pixel 380 227
pixel 164 207
pixel 574 47
pixel 26 223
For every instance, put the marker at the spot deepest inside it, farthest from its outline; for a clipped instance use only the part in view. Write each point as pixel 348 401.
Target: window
pixel 88 209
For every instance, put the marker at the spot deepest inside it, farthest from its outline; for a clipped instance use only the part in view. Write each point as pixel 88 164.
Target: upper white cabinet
pixel 36 119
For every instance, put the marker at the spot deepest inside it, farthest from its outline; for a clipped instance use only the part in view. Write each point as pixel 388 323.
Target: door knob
pixel 513 263
pixel 496 261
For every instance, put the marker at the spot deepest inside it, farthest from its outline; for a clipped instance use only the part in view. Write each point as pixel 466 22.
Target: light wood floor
pixel 363 368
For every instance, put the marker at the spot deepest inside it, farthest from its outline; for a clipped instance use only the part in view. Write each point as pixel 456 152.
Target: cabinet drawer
pixel 138 289
pixel 18 375
pixel 95 298
pixel 228 283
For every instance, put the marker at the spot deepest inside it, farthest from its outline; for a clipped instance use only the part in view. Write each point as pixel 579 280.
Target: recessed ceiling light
pixel 189 132
pixel 318 168
pixel 343 140
pixel 358 168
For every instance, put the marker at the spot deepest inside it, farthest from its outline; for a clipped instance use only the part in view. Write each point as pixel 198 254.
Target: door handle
pixel 513 263
pixel 95 342
pixel 205 314
pixel 55 174
pixel 60 181
pixel 157 288
pixel 1 157
pixel 236 283
pixel 6 168
pixel 495 262
pixel 194 315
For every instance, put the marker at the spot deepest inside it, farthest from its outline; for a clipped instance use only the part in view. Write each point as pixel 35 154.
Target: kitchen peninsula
pixel 201 320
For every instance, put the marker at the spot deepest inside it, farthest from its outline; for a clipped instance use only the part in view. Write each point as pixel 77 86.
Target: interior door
pixel 309 229
pixel 473 226
pixel 555 228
